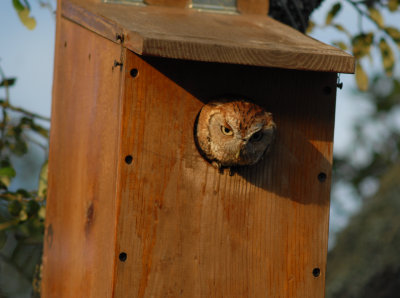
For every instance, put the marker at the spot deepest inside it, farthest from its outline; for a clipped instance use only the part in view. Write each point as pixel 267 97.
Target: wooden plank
pixel 101 26
pixel 171 3
pixel 193 35
pixel 253 6
pixel 189 231
pixel 80 222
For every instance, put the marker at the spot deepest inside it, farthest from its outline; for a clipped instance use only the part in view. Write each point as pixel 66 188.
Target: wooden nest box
pixel 133 208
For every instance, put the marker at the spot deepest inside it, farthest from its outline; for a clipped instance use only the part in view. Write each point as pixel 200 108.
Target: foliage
pixel 23 10
pixel 377 137
pixel 22 212
pixel 366 261
pixel 382 38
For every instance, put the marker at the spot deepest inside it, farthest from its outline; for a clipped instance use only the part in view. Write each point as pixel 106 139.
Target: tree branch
pixel 6 105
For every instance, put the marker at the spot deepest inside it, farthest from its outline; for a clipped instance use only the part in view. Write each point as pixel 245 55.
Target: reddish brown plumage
pixel 232 133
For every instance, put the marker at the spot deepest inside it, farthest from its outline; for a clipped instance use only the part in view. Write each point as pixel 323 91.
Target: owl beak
pixel 242 146
pixel 238 154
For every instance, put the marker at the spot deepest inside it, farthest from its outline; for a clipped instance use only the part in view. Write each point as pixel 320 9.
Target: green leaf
pixel 18 5
pixel 5 162
pixel 332 13
pixel 3 238
pixel 311 26
pixel 376 16
pixel 341 45
pixel 387 57
pixel 42 212
pixel 23 14
pixel 24 193
pixel 6 174
pixel 8 82
pixel 393 5
pixel 342 29
pixel 14 207
pixel 28 21
pixel 32 208
pixel 362 44
pixel 394 34
pixel 361 78
pixel 23 215
pixel 19 148
pixel 42 188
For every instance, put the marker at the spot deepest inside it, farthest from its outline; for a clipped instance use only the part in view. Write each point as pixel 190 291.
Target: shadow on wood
pixel 303 105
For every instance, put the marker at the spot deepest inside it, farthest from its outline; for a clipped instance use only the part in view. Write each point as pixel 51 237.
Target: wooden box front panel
pixel 80 220
pixel 189 231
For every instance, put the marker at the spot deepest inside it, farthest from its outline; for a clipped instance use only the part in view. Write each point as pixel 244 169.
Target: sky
pixel 28 55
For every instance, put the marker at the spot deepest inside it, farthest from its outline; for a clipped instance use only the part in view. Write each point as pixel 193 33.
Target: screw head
pixel 128 159
pixel 327 90
pixel 322 177
pixel 316 272
pixel 123 256
pixel 119 37
pixel 134 72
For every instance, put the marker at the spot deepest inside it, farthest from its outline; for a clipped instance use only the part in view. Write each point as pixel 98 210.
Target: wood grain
pixel 210 37
pixel 101 26
pixel 80 220
pixel 171 3
pixel 253 6
pixel 189 231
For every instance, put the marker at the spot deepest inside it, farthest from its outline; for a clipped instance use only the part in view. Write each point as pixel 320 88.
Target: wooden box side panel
pixel 189 231
pixel 80 222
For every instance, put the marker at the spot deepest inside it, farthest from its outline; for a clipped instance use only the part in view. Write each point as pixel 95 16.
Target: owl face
pixel 235 133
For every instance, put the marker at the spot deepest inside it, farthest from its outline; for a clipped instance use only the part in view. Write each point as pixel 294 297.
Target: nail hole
pixel 134 72
pixel 316 272
pixel 327 90
pixel 90 56
pixel 65 44
pixel 128 159
pixel 123 256
pixel 321 177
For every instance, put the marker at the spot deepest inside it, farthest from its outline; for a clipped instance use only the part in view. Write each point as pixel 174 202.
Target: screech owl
pixel 234 133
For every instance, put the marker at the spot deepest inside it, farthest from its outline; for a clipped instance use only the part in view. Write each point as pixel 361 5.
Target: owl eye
pixel 226 131
pixel 256 136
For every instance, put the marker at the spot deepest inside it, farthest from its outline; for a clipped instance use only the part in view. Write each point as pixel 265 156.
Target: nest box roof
pixel 212 37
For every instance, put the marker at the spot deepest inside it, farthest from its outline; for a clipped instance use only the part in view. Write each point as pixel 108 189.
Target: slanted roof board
pixel 193 35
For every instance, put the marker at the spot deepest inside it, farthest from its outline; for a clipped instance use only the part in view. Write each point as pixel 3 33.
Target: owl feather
pixel 234 133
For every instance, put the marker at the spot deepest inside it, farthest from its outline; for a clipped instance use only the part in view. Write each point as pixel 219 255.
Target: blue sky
pixel 28 55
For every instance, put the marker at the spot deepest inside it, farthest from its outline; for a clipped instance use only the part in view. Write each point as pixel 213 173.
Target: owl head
pixel 234 133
